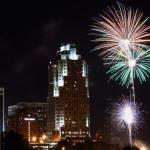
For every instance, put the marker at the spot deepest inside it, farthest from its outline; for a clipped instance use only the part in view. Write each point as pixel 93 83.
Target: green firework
pixel 126 69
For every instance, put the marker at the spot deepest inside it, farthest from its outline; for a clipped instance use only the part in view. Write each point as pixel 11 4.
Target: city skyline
pixel 28 42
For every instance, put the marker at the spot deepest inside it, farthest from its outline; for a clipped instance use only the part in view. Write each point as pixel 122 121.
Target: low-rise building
pixel 29 119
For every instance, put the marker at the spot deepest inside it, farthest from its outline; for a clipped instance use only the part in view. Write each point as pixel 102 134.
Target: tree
pixel 130 148
pixel 12 140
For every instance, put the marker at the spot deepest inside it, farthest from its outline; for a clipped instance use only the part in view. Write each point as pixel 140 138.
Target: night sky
pixel 30 35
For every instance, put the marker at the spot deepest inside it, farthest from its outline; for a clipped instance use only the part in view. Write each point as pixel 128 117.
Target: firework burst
pixel 126 69
pixel 120 29
pixel 126 114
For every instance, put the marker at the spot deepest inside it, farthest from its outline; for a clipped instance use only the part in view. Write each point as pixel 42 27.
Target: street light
pixel 63 148
pixel 41 141
pixel 34 139
pixel 44 137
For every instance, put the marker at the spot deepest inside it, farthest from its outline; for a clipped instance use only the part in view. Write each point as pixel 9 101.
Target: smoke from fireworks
pixel 141 145
pixel 120 29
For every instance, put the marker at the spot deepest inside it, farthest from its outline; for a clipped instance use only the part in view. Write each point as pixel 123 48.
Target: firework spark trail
pixel 126 115
pixel 120 29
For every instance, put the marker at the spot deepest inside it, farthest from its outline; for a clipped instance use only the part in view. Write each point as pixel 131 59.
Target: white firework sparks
pixel 126 113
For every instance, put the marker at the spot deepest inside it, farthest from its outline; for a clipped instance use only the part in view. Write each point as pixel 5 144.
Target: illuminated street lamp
pixel 44 137
pixel 63 148
pixel 34 139
pixel 41 141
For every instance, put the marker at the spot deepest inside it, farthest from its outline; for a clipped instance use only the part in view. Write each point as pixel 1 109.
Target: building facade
pixel 2 111
pixel 29 119
pixel 68 95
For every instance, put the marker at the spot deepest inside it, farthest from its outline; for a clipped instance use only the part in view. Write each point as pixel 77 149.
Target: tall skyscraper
pixel 2 111
pixel 68 96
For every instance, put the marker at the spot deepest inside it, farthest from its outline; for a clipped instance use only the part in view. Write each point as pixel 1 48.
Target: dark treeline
pixel 90 145
pixel 15 141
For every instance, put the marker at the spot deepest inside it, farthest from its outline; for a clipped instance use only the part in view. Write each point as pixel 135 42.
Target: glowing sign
pixel 29 119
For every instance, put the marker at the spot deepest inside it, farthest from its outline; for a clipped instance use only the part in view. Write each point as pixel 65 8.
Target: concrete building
pixel 2 111
pixel 68 95
pixel 29 119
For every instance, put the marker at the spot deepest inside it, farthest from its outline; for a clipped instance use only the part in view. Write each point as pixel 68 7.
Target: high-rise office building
pixel 2 111
pixel 68 96
pixel 28 118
